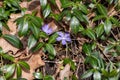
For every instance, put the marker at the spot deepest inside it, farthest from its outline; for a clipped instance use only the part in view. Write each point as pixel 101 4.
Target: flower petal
pixel 64 42
pixel 45 28
pixel 68 39
pixel 67 34
pixel 58 38
pixel 49 31
pixel 60 34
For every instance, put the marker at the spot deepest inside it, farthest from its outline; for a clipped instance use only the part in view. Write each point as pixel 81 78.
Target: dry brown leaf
pixel 34 62
pixel 53 26
pixel 6 46
pixel 65 72
pixel 59 4
pixel 24 4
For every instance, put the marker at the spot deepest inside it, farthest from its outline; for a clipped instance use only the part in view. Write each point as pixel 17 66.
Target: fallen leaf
pixel 6 46
pixel 53 26
pixel 65 73
pixel 34 62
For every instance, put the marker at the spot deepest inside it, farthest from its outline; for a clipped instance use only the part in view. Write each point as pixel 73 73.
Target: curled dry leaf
pixel 65 73
pixel 34 62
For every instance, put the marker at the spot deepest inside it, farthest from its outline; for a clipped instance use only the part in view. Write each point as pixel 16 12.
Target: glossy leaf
pixel 107 26
pixel 90 33
pixel 99 30
pixel 31 42
pixel 35 30
pixel 87 48
pixel 9 70
pixel 101 9
pixel 43 34
pixel 97 75
pixel 87 74
pixel 7 57
pixel 66 3
pixel 92 60
pixel 52 38
pixel 6 26
pixel 37 21
pixel 99 17
pixel 22 28
pixel 46 11
pixel 38 46
pixel 50 49
pixel 78 14
pixel 12 39
pixel 19 71
pixel 83 8
pixel 0 26
pixel 24 65
pixel 74 24
pixel 38 75
pixel 43 3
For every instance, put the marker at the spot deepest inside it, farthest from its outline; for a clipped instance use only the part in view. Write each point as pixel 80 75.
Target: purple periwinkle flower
pixel 64 37
pixel 47 29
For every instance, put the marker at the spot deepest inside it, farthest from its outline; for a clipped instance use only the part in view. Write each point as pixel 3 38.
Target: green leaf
pixel 52 38
pixel 43 34
pixel 98 17
pixel 97 75
pixel 48 77
pixel 99 30
pixel 50 49
pixel 83 8
pixel 8 57
pixel 6 26
pixel 9 70
pixel 19 71
pixel 31 42
pixel 46 11
pixel 92 60
pixel 53 2
pixel 12 39
pixel 38 75
pixel 22 28
pixel 66 3
pixel 35 30
pixel 87 48
pixel 108 48
pixel 87 74
pixel 74 24
pixel 107 26
pixel 24 65
pixel 70 62
pixel 74 77
pixel 90 33
pixel 43 3
pixel 113 73
pixel 37 21
pixel 38 46
pixel 115 21
pixel 78 14
pixel 101 9
pixel 0 26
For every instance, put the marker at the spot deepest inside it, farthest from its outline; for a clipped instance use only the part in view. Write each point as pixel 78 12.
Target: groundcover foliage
pixel 87 34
